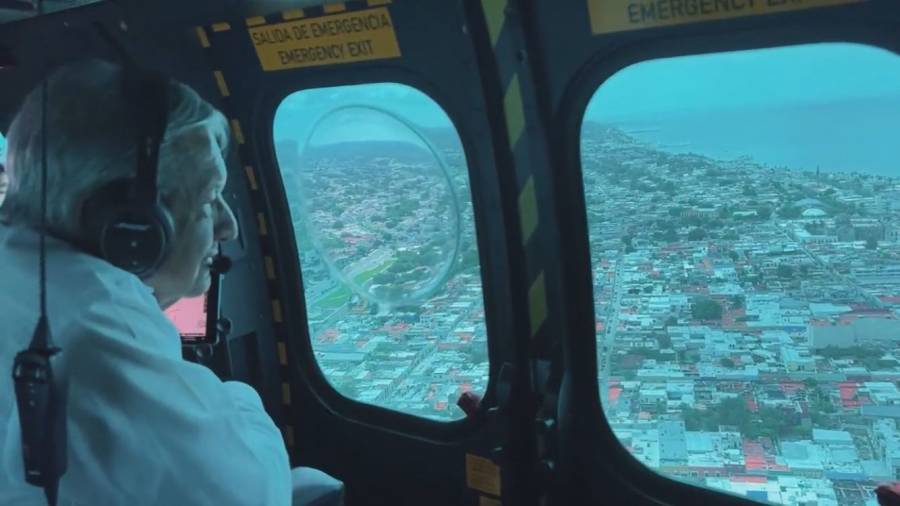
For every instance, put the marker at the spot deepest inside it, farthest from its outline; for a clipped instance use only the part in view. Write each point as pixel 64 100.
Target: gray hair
pixel 91 141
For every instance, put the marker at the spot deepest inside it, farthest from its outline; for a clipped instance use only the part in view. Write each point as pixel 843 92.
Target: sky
pixel 756 78
pixel 834 106
pixel 718 83
pixel 405 107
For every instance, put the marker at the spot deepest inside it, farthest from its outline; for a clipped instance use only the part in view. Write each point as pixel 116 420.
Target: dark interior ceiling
pixel 16 10
pixel 158 31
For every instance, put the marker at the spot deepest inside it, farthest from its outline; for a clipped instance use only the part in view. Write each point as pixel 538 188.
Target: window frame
pixel 483 186
pixel 633 479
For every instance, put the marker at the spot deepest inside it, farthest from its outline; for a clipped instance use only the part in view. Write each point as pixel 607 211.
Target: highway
pixel 611 328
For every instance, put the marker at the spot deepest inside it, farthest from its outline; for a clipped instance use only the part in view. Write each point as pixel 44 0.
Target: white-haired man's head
pixel 91 141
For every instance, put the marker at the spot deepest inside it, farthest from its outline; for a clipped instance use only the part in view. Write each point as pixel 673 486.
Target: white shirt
pixel 145 427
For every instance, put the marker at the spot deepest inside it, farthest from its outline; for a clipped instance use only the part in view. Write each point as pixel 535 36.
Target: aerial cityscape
pixel 376 222
pixel 746 321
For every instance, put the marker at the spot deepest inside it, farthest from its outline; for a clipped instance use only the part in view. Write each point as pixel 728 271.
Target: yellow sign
pixel 330 40
pixel 482 475
pixel 620 15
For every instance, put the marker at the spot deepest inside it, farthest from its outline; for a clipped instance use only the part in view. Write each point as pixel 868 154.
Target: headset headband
pixel 147 91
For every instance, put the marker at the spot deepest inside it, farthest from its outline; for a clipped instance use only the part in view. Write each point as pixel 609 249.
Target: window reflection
pixel 378 188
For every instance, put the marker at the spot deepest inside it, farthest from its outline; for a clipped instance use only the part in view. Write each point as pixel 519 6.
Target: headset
pixel 124 221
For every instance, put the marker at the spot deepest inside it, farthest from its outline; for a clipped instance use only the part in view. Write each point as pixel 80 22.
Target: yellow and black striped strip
pixel 262 223
pixel 286 394
pixel 206 37
pixel 288 432
pixel 256 21
pixel 282 353
pixel 277 315
pixel 495 15
pixel 237 131
pixel 291 14
pixel 537 303
pixel 514 111
pixel 528 217
pixel 201 36
pixel 220 82
pixel 251 177
pixel 270 268
pixel 514 114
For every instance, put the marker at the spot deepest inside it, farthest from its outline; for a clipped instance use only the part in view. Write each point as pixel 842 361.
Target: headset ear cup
pixel 98 210
pixel 128 235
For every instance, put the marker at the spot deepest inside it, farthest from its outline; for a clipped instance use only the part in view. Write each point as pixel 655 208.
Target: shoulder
pixel 87 297
pixel 119 307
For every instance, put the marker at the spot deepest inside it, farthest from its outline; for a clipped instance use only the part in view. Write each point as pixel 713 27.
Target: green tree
pixel 785 271
pixel 734 411
pixel 696 234
pixel 706 309
pixel 664 341
pixel 790 212
pixel 871 243
pixel 671 321
pixel 763 213
pixel 857 353
pixel 777 423
pixel 693 418
pixel 824 405
pixel 727 363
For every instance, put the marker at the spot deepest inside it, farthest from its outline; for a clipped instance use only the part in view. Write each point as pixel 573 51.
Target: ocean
pixel 849 136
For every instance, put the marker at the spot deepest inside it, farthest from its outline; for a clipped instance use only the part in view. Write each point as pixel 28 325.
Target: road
pixel 860 291
pixel 612 326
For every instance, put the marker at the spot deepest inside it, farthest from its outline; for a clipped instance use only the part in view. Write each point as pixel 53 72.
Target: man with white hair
pixel 144 426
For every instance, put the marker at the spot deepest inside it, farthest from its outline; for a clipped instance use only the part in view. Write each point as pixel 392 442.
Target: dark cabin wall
pixel 161 33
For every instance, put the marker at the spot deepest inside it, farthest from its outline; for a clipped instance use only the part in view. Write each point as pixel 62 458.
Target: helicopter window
pixel 377 184
pixel 745 248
